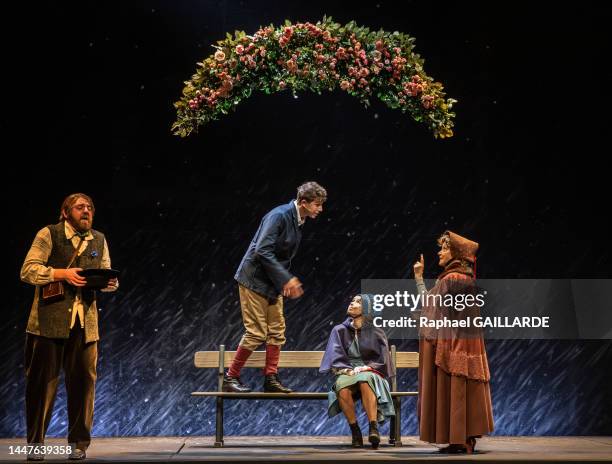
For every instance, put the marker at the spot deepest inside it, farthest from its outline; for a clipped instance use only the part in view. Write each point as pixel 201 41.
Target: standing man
pixel 264 279
pixel 62 330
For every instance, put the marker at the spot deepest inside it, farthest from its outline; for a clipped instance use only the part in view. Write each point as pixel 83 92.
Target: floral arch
pixel 314 57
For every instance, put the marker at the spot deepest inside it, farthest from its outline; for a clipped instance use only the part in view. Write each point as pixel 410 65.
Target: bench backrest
pixel 293 359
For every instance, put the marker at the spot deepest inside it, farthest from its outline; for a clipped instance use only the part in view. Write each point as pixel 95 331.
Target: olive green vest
pixel 54 318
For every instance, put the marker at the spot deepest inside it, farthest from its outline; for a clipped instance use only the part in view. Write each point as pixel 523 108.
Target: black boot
pixel 273 385
pixel 374 436
pixel 234 385
pixel 357 437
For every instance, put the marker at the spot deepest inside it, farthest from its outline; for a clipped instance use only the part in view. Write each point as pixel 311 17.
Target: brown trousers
pixel 44 359
pixel 263 319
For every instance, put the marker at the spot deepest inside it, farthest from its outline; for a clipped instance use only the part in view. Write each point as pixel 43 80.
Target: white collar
pixel 297 208
pixel 71 232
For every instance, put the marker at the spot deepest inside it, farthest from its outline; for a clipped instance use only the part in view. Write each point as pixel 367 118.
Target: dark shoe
pixel 234 385
pixel 357 437
pixel 35 457
pixel 273 385
pixel 77 455
pixel 373 435
pixel 470 445
pixel 453 449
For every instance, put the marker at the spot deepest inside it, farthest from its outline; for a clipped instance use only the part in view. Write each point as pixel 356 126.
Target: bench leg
pixel 398 422
pixel 392 430
pixel 219 424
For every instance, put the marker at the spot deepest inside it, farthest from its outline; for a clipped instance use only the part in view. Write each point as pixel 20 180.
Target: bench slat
pixel 407 359
pixel 205 359
pixel 295 359
pixel 282 396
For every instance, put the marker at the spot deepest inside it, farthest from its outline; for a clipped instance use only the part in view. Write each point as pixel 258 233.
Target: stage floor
pixel 296 449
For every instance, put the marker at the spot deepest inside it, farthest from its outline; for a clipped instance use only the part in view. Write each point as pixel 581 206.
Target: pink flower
pixel 412 89
pixel 226 87
pixel 363 72
pixel 292 66
pixel 427 101
pixel 344 85
pixel 282 85
pixel 376 55
pixel 262 51
pixel 239 49
pixel 379 44
pixel 219 55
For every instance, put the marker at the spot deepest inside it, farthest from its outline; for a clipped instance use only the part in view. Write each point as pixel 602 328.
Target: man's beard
pixel 81 226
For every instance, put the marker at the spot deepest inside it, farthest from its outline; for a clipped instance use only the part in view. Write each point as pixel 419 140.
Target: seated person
pixel 358 355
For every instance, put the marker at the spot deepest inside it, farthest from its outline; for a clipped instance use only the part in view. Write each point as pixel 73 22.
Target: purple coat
pixel 373 347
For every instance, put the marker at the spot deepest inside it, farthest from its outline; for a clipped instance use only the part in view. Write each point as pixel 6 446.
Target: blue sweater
pixel 265 265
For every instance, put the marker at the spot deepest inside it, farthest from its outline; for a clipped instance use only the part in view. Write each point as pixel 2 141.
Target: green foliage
pixel 314 57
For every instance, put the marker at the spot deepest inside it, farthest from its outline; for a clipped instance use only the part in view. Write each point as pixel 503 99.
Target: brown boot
pixel 357 437
pixel 273 385
pixel 374 436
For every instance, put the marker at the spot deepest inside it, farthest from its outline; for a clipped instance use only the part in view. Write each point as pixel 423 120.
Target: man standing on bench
pixel 264 279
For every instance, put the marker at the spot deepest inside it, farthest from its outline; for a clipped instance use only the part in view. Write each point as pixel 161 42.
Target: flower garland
pixel 314 57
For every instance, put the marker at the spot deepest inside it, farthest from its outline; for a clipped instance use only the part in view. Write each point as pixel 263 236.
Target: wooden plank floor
pixel 325 449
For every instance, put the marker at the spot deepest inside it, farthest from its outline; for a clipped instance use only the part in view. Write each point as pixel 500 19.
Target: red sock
pixel 242 354
pixel 272 356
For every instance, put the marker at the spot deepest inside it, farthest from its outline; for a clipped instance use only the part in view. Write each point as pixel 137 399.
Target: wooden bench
pixel 221 360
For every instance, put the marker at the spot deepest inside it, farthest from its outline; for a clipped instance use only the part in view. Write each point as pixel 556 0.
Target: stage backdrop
pixel 179 214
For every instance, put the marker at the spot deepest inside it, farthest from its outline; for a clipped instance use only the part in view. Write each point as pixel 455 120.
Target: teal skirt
pixel 379 386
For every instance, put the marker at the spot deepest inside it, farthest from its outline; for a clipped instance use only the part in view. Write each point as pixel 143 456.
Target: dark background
pixel 88 93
